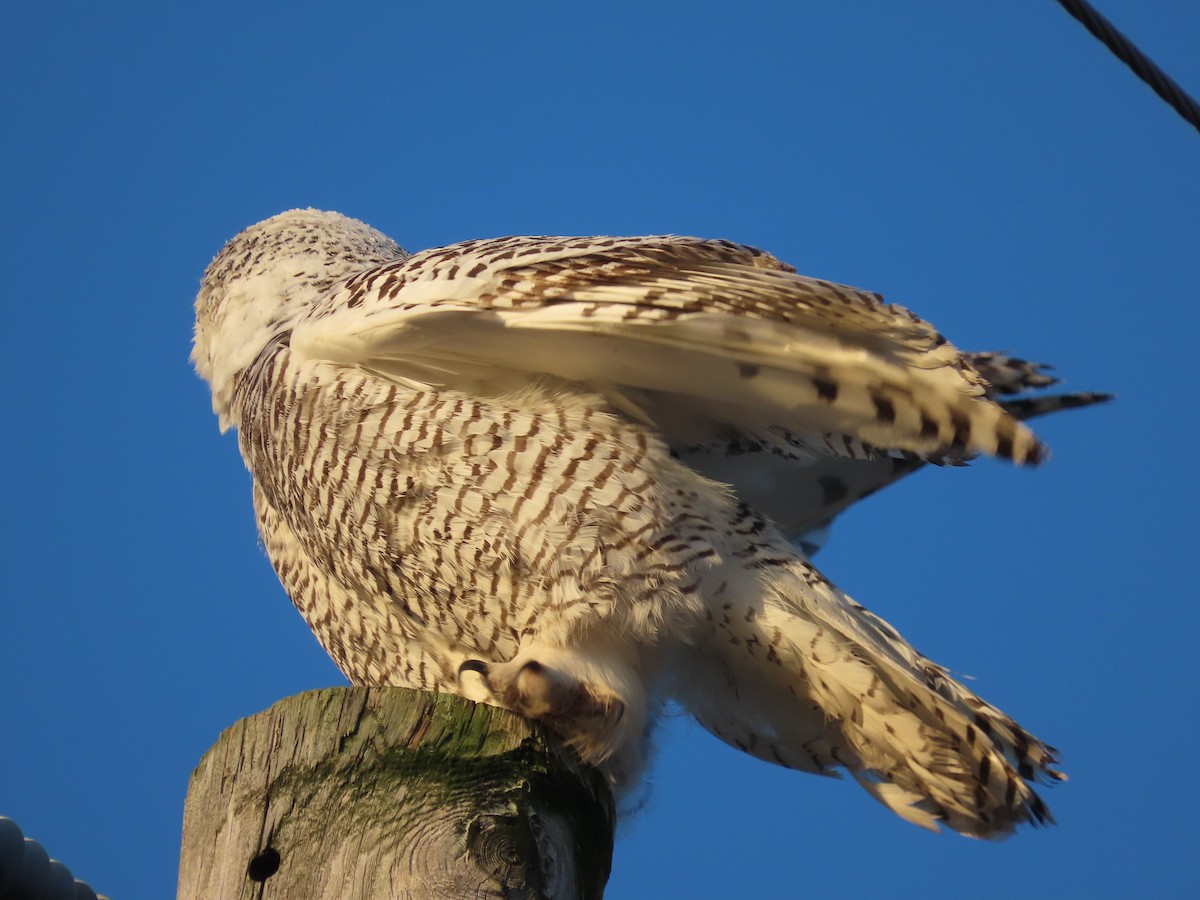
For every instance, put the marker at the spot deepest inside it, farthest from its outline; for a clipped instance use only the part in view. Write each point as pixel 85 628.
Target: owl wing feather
pixel 702 338
pixel 804 496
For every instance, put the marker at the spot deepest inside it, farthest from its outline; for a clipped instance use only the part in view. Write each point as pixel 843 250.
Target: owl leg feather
pixel 554 696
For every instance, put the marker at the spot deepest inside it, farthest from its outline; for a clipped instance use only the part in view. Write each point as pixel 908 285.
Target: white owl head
pixel 264 279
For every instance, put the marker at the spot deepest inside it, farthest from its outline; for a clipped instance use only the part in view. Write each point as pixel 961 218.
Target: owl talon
pixel 473 681
pixel 473 665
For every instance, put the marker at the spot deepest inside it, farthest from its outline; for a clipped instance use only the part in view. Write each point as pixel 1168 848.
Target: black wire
pixel 1142 66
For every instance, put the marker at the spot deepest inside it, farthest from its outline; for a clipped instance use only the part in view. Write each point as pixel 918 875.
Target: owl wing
pixel 805 503
pixel 702 339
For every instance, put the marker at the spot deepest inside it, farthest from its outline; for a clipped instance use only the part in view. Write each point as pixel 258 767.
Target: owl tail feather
pixel 802 676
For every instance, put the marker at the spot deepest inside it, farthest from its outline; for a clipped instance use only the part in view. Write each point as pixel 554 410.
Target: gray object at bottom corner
pixel 27 871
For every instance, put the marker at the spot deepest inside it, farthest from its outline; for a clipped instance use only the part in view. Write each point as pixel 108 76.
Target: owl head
pixel 264 280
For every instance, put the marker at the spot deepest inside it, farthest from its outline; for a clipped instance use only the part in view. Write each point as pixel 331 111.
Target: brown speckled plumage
pixel 568 476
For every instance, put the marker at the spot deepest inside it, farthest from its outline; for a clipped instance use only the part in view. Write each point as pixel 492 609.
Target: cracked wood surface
pixel 368 793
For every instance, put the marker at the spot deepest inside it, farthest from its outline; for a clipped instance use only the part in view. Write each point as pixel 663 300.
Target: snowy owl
pixel 581 477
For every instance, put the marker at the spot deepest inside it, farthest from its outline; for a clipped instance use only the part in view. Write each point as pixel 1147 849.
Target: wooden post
pixel 381 793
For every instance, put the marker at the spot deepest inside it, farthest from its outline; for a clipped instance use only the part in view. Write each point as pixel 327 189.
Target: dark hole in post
pixel 264 865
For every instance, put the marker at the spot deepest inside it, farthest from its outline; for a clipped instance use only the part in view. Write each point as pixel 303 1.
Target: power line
pixel 1142 65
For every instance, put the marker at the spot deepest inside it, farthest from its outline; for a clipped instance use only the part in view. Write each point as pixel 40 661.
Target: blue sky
pixel 988 165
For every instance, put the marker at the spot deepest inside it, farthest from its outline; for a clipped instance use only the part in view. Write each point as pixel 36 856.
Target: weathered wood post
pixel 380 793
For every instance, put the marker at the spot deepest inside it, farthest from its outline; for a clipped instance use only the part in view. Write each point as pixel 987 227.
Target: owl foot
pixel 540 692
pixel 576 710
